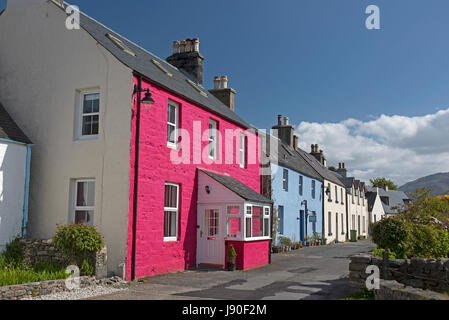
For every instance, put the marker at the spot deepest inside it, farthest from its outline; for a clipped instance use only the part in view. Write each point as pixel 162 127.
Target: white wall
pixel 42 65
pixel 378 210
pixel 358 210
pixel 12 190
pixel 335 209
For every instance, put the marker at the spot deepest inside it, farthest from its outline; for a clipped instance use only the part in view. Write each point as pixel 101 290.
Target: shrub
pixel 380 253
pixel 13 254
pixel 231 254
pixel 87 268
pixel 78 241
pixel 428 241
pixel 391 233
pixel 285 241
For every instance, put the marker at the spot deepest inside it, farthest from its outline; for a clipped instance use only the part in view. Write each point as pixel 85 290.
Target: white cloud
pixel 397 147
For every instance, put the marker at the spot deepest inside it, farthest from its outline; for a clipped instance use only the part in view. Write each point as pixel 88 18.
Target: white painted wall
pixel 12 190
pixel 42 65
pixel 336 209
pixel 358 208
pixel 378 210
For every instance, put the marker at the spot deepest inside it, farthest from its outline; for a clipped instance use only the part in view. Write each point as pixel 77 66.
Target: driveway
pixel 314 273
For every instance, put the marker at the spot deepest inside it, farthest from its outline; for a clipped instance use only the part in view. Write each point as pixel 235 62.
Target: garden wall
pixel 431 274
pixel 393 290
pixel 36 289
pixel 44 250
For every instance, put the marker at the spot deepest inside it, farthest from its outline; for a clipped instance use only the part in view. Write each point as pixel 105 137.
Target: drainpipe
pixel 323 195
pixel 27 191
pixel 136 179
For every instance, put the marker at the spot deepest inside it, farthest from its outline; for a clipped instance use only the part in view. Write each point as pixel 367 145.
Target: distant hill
pixel 439 183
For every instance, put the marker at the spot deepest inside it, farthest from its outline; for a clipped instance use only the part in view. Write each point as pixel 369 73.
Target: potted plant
pixel 316 239
pixel 307 241
pixel 231 258
pixel 286 243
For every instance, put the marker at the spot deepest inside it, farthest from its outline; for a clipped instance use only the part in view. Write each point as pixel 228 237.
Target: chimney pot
pixel 339 165
pixel 279 120
pixel 175 47
pixel 286 121
pixel 344 166
pixel 183 46
pixel 189 45
pixel 224 82
pixel 196 45
pixel 217 82
pixel 295 142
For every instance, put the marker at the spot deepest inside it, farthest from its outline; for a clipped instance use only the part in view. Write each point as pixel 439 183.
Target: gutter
pixel 136 179
pixel 27 190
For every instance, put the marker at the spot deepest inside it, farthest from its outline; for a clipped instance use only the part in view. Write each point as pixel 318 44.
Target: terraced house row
pixel 137 147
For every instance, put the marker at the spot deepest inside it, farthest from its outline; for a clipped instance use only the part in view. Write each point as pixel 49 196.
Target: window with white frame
pixel 213 139
pixel 342 225
pixel 301 181
pixel 364 225
pixel 234 222
pixel 336 194
pixel 172 124
pixel 171 211
pixel 266 221
pixel 84 198
pixel 329 222
pixel 212 222
pixel 342 195
pixel 313 189
pixel 285 180
pixel 89 114
pixel 257 221
pixel 242 150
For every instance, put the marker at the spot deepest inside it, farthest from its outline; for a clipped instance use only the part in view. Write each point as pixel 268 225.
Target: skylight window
pixel 158 64
pixel 119 43
pixel 193 84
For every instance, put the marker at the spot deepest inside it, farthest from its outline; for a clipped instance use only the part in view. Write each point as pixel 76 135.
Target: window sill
pixel 172 239
pixel 256 239
pixel 172 146
pixel 87 138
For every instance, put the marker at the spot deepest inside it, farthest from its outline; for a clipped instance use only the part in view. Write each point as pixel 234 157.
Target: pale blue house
pixel 296 189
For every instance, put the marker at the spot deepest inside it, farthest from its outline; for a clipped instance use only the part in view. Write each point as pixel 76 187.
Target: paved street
pixel 312 273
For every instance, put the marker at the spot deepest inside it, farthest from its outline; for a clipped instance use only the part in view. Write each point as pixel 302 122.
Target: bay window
pixel 257 222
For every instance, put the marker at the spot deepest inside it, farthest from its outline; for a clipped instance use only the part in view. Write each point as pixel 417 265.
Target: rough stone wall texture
pixel 153 255
pixel 432 274
pixel 44 250
pixel 34 289
pixel 393 290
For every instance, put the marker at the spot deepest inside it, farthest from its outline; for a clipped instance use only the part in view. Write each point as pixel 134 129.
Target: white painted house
pixel 15 150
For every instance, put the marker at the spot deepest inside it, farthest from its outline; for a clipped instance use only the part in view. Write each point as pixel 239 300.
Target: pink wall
pixel 250 254
pixel 153 255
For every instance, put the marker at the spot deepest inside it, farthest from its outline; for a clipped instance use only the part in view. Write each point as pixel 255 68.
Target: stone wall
pixel 432 274
pixel 44 250
pixel 35 289
pixel 393 290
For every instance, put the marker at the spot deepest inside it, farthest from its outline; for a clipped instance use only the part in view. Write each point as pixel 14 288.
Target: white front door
pixel 211 244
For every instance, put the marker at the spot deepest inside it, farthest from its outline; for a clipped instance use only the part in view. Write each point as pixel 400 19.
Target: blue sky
pixel 312 60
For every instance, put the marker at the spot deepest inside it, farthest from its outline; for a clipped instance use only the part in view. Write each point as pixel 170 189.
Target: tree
pixel 382 182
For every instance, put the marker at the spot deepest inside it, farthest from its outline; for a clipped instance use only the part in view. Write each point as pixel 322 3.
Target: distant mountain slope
pixel 439 183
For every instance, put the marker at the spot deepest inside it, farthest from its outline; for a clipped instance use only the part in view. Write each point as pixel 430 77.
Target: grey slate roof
pixel 371 197
pixel 289 158
pixel 396 199
pixel 237 187
pixel 324 172
pixel 143 65
pixel 9 129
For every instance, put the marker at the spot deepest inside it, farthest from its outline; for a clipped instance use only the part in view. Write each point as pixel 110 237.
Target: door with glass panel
pixel 211 245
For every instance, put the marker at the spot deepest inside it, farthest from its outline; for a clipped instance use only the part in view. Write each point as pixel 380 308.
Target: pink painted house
pixel 132 144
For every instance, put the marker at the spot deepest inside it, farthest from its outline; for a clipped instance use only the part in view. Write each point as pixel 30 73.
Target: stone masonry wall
pixel 393 290
pixel 431 274
pixel 44 250
pixel 35 289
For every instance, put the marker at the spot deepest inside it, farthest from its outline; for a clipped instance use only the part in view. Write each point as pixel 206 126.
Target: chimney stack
pixel 318 154
pixel 342 170
pixel 295 142
pixel 285 131
pixel 223 93
pixel 187 57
